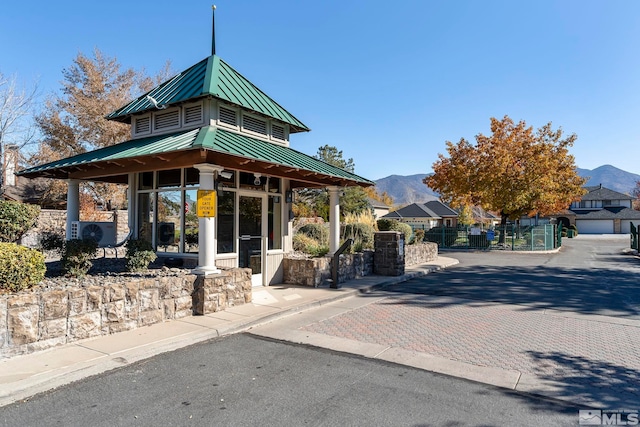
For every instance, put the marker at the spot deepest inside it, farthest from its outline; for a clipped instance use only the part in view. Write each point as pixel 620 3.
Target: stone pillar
pixel 334 219
pixel 388 258
pixel 73 204
pixel 207 226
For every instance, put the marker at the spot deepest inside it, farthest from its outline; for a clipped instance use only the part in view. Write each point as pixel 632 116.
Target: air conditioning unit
pixel 104 233
pixel 166 234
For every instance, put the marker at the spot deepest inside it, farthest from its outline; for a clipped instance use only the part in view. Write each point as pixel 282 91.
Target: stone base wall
pixel 219 291
pixel 420 253
pixel 39 319
pixel 316 271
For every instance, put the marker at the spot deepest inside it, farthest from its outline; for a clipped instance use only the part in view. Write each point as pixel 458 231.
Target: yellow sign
pixel 206 203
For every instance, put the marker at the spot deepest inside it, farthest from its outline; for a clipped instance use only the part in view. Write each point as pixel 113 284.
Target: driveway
pixel 590 275
pixel 564 325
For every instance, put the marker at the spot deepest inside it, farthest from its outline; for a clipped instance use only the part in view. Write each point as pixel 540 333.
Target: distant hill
pixel 406 189
pixel 610 177
pixel 410 189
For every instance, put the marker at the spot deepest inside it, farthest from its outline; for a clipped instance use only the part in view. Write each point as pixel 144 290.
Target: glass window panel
pixel 226 222
pixel 190 222
pixel 169 178
pixel 227 178
pixel 275 222
pixel 145 216
pixel 274 185
pixel 191 176
pixel 145 181
pixel 168 227
pixel 250 181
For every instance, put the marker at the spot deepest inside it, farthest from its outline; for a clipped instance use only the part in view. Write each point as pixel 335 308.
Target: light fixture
pixel 226 174
pixel 257 180
pixel 288 196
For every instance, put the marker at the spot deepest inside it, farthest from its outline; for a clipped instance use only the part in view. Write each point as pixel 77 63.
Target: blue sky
pixel 385 82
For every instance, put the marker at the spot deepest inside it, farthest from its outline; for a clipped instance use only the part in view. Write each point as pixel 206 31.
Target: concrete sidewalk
pixel 25 376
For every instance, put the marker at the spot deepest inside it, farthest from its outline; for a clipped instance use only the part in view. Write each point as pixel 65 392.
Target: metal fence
pixel 509 238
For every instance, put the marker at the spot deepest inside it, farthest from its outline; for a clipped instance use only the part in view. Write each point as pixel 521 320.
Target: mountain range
pixel 409 189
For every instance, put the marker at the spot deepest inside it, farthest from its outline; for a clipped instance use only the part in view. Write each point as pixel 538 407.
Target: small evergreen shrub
pixel 478 241
pixel 404 229
pixel 52 242
pixel 16 219
pixel 76 257
pixel 20 267
pixel 443 236
pixel 139 255
pixel 575 230
pixel 384 224
pixel 318 232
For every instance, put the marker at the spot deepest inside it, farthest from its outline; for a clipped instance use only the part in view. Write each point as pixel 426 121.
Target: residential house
pixel 601 211
pixel 425 216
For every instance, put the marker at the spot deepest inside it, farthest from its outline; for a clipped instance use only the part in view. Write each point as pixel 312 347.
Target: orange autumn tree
pixel 514 171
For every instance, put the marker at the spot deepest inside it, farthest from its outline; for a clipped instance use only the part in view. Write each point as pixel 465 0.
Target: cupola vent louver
pixel 167 120
pixel 193 114
pixel 254 125
pixel 228 116
pixel 143 125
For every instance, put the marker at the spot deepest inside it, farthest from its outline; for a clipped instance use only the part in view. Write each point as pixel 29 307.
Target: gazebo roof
pixel 209 77
pixel 186 148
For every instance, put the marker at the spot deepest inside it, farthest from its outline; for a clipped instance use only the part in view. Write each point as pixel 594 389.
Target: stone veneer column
pixel 73 204
pixel 388 258
pixel 334 219
pixel 207 226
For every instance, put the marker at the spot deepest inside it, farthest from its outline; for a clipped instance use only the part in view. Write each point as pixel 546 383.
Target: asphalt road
pixel 242 380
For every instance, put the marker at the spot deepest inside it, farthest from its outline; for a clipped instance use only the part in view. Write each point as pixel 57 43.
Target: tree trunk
pixel 503 227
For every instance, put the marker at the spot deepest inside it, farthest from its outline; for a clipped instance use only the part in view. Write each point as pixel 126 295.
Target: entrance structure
pixel 210 172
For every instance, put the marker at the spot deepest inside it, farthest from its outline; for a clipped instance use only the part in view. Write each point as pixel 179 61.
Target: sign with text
pixel 206 203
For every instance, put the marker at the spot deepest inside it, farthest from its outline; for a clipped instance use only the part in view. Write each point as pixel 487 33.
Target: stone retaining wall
pixel 39 319
pixel 420 253
pixel 316 271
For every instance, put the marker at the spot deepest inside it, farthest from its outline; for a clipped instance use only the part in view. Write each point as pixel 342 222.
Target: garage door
pixel 594 226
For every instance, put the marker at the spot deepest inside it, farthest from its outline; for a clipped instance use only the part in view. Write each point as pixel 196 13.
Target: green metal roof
pixel 210 77
pixel 208 138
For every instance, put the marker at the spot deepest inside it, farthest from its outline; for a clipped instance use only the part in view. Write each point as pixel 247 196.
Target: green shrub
pixel 404 229
pixel 318 232
pixel 20 267
pixel 443 236
pixel 575 230
pixel 478 240
pixel 384 224
pixel 139 255
pixel 76 257
pixel 362 235
pixel 16 219
pixel 52 242
pixel 308 245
